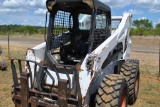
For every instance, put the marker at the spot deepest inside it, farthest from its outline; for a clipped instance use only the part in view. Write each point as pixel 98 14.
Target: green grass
pixel 149 69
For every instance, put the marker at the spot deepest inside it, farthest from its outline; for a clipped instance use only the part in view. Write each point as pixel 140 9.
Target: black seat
pixel 77 49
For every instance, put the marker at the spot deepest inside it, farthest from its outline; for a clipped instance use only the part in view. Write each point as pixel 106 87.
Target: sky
pixel 32 12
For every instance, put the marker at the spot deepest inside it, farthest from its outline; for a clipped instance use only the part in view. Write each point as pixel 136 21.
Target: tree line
pixel 142 27
pixel 21 29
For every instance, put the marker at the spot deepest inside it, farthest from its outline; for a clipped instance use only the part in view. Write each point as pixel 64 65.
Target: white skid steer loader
pixel 82 62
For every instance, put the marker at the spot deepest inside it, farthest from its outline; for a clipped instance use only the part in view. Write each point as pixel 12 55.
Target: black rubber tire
pixel 110 91
pixel 130 70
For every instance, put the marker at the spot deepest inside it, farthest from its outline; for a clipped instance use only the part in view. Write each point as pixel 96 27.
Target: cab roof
pixel 84 6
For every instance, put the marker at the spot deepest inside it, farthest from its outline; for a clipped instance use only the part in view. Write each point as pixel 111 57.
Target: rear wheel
pixel 130 70
pixel 112 92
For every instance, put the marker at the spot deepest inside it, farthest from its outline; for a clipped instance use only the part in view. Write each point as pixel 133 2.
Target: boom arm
pixel 120 36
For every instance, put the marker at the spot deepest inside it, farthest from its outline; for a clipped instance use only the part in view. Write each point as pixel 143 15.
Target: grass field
pixel 149 68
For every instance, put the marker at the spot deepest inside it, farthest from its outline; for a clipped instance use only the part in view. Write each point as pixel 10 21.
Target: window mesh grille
pixel 62 24
pixel 101 32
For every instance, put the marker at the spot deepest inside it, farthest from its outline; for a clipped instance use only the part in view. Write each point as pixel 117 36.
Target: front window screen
pixel 62 23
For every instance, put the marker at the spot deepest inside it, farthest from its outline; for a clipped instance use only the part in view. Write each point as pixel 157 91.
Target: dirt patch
pixel 149 91
pixel 21 41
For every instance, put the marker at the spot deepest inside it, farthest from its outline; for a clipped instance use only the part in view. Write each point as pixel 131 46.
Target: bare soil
pixel 145 49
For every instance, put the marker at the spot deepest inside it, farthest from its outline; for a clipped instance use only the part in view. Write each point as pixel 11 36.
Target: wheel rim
pixel 123 99
pixel 136 86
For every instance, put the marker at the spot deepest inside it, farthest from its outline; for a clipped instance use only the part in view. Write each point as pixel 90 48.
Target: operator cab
pixel 75 29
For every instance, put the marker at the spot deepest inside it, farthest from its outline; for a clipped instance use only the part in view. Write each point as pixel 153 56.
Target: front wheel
pixel 113 92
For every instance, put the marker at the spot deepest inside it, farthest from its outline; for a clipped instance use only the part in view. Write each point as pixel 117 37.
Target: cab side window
pixel 102 28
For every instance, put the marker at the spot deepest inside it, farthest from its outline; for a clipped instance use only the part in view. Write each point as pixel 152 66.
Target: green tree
pixel 31 30
pixel 143 23
pixel 157 29
pixel 20 29
pixel 158 26
pixel 143 26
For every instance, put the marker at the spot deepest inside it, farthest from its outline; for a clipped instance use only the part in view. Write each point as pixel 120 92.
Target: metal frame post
pixel 24 89
pixel 62 93
pixel 159 59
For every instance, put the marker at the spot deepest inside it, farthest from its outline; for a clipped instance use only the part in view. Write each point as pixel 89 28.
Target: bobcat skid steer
pixel 82 61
